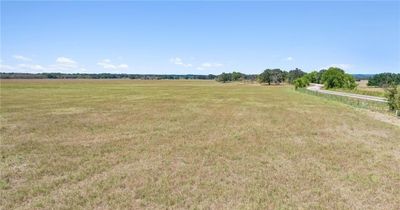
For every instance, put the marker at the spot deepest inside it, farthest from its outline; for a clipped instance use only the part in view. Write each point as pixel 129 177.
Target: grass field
pixel 83 144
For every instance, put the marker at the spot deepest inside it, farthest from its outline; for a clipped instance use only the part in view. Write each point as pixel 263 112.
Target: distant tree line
pixel 235 76
pixel 331 78
pixel 104 76
pixel 269 76
pixel 359 77
pixel 384 80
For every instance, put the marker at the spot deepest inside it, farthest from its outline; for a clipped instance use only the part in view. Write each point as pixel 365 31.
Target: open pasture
pixel 83 144
pixel 367 90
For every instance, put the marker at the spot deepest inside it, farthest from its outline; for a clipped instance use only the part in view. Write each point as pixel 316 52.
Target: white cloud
pixel 4 67
pixel 62 64
pixel 211 65
pixel 207 65
pixel 23 68
pixel 178 61
pixel 289 58
pixel 22 58
pixel 106 64
pixel 34 67
pixel 123 66
pixel 65 61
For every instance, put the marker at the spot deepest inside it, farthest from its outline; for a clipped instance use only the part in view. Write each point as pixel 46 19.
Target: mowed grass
pixel 83 144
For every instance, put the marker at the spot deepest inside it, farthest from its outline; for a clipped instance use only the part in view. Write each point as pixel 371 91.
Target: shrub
pixel 301 82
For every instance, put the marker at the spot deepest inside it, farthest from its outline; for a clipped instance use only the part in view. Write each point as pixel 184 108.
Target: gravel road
pixel 318 88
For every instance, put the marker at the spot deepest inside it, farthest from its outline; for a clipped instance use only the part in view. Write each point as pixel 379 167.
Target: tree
pixel 236 76
pixel 224 77
pixel 337 78
pixel 211 76
pixel 294 74
pixel 312 77
pixel 384 79
pixel 393 96
pixel 271 76
pixel 319 76
pixel 265 77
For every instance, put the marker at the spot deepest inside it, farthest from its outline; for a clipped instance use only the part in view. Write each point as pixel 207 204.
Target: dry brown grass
pixel 376 91
pixel 190 144
pixel 363 89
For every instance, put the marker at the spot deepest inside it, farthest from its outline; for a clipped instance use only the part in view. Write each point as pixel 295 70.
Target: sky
pixel 204 37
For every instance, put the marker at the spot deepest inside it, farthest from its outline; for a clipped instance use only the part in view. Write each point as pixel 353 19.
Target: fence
pixel 359 103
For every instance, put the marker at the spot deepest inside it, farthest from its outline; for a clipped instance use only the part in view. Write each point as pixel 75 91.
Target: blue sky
pixel 199 37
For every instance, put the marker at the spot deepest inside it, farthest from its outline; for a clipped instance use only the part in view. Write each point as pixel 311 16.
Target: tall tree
pixel 272 76
pixel 337 78
pixel 294 74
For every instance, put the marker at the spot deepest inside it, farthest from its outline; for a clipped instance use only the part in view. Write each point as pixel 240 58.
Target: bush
pixel 301 82
pixel 350 82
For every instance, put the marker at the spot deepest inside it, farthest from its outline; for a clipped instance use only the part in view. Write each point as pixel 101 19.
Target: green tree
pixel 393 96
pixel 319 76
pixel 336 78
pixel 272 76
pixel 384 79
pixel 294 74
pixel 236 76
pixel 312 77
pixel 224 77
